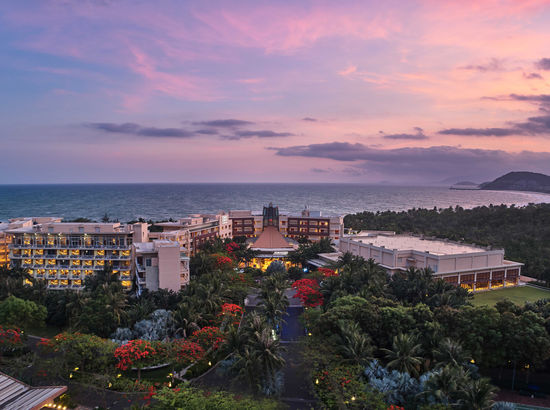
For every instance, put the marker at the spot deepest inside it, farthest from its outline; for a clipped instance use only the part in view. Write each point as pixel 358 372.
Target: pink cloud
pixel 349 70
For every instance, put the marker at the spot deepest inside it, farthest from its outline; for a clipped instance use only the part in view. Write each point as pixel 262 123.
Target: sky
pixel 398 92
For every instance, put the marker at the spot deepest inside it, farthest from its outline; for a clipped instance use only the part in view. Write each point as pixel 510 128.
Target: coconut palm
pixel 477 394
pixel 404 354
pixel 274 306
pixel 356 347
pixel 450 352
pixel 115 302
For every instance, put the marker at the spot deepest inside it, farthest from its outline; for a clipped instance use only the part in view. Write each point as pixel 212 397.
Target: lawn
pixel 519 295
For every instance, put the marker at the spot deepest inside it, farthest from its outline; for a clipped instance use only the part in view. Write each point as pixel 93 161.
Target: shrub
pixel 209 336
pixel 21 312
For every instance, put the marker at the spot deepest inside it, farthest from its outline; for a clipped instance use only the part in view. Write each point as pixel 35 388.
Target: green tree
pixel 22 313
pixel 404 354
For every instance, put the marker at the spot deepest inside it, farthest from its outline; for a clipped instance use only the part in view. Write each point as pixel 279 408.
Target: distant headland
pixel 512 181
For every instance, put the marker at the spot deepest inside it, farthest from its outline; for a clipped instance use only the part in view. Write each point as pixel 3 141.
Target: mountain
pixel 520 181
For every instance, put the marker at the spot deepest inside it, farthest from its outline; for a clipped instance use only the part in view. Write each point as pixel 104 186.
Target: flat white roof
pixel 416 243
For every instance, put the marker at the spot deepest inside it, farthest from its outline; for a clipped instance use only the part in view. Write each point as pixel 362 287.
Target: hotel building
pixel 194 231
pixel 472 267
pixel 161 264
pixel 65 253
pixel 310 225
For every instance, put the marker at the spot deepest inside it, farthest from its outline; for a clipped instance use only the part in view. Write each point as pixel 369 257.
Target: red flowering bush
pixel 231 312
pixel 186 351
pixel 10 339
pixel 395 407
pixel 342 384
pixel 223 262
pixel 326 272
pixel 138 354
pixel 307 290
pixel 310 283
pixel 208 336
pixel 232 247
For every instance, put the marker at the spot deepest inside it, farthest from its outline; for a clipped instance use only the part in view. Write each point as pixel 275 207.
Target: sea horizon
pixel 161 201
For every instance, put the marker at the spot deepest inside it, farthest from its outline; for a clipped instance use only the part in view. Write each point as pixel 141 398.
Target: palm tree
pixel 477 394
pixel 404 354
pixel 186 320
pixel 450 352
pixel 356 348
pixel 74 306
pixel 445 383
pixel 115 302
pixel 266 352
pixel 274 306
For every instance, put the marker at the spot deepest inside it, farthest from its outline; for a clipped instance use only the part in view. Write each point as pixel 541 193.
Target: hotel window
pixel 148 262
pixel 80 229
pixel 97 229
pixel 77 282
pixel 88 272
pixel 50 229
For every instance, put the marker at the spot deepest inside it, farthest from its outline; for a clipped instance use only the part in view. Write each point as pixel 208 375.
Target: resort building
pixel 270 245
pixel 472 267
pixel 311 225
pixel 194 231
pixel 161 264
pixel 65 253
pixel 5 241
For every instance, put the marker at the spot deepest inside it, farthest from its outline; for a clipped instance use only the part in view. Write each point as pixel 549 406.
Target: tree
pixel 356 348
pixel 404 354
pixel 477 394
pixel 20 312
pixel 138 354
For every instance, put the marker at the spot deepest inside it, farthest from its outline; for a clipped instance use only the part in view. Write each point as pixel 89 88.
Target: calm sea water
pixel 127 202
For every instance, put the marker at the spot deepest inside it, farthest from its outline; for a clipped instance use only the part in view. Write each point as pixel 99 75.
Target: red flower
pixel 327 272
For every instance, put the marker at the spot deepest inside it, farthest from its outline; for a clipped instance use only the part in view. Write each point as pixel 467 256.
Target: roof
pixel 271 238
pixel 15 394
pixel 416 243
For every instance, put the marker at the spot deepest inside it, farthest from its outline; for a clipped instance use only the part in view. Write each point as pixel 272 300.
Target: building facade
pixel 161 264
pixel 194 231
pixel 65 253
pixel 309 224
pixel 472 267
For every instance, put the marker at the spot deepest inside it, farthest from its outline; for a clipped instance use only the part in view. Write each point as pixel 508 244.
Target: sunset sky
pixel 407 92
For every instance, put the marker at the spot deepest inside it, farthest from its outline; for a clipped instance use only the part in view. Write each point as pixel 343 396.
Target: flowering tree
pixel 232 247
pixel 138 354
pixel 209 336
pixel 186 352
pixel 223 262
pixel 10 339
pixel 307 290
pixel 326 272
pixel 231 313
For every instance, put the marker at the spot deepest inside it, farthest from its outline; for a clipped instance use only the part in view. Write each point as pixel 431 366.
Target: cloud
pixel 533 76
pixel 230 123
pixel 494 64
pixel 347 71
pixel 481 132
pixel 418 136
pixel 541 98
pixel 320 170
pixel 423 163
pixel 135 129
pixel 309 119
pixel 206 132
pixel 260 134
pixel 543 64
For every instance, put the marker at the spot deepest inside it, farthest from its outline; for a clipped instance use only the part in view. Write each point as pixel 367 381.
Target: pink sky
pixel 404 91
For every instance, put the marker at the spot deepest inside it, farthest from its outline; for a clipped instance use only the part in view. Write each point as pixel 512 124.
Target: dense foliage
pixel 424 335
pixel 524 232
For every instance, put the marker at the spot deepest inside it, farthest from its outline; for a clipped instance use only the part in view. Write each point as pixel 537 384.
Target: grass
pixel 518 295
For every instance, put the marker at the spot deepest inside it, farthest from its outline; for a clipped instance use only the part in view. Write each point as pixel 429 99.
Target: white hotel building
pixel 472 267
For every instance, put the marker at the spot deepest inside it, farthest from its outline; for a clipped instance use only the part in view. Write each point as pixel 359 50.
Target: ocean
pixel 126 202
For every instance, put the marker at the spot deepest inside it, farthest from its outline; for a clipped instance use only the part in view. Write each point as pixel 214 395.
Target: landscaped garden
pixel 370 341
pixel 519 295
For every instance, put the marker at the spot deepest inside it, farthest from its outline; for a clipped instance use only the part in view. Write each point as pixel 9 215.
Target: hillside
pixel 520 181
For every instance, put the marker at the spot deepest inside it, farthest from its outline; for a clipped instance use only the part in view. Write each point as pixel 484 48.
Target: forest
pixel 523 232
